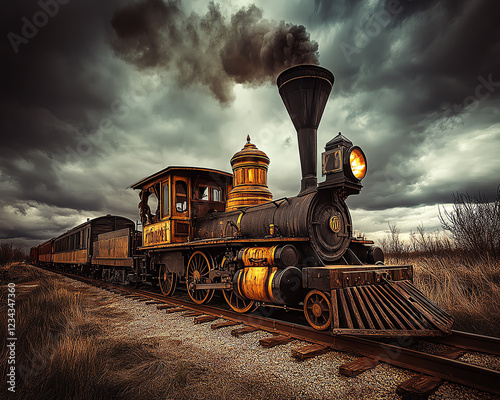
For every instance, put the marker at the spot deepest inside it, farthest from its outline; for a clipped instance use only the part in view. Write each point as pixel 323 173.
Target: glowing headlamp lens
pixel 358 163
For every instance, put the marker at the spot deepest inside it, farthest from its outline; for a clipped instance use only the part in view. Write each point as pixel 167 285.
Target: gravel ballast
pixel 243 358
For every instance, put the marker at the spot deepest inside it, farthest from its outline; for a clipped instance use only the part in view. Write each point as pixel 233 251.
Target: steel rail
pixel 470 341
pixel 393 353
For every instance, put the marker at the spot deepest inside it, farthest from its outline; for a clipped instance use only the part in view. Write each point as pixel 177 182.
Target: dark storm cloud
pixel 326 11
pixel 57 80
pixel 446 47
pixel 209 49
pixel 52 74
pixel 413 73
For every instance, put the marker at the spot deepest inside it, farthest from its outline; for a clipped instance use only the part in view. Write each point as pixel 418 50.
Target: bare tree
pixel 392 243
pixel 474 223
pixel 9 254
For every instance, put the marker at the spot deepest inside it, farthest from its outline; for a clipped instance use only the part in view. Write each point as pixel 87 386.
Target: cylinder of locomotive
pixel 269 284
pixel 279 256
pixel 255 283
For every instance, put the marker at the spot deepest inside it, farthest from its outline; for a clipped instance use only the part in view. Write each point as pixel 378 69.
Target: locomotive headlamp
pixel 344 166
pixel 357 163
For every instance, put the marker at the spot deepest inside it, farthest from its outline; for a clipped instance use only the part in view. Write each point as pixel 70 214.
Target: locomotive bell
pixel 305 90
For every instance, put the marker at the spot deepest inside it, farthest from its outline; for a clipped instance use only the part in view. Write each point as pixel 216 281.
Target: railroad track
pixel 433 368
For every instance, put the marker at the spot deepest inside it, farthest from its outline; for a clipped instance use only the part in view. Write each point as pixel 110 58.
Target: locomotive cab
pixel 172 198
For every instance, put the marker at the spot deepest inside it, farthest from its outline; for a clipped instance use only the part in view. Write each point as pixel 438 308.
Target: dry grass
pixel 65 351
pixel 466 286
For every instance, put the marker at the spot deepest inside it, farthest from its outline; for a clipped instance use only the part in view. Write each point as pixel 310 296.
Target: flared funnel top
pixel 305 90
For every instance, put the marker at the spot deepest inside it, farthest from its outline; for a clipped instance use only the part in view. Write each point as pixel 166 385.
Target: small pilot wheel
pixel 236 303
pixel 197 272
pixel 167 280
pixel 317 309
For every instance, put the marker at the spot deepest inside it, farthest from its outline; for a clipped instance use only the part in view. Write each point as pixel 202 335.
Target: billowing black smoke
pixel 209 49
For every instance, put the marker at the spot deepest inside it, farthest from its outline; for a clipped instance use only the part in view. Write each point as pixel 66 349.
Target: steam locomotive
pixel 214 231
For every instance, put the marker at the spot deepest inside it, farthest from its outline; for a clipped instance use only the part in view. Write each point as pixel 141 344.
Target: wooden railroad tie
pixel 309 351
pixel 191 313
pixel 143 299
pixel 243 331
pixel 358 366
pixel 205 318
pixel 421 386
pixel 165 306
pixel 174 310
pixel 275 341
pixel 223 324
pixel 154 302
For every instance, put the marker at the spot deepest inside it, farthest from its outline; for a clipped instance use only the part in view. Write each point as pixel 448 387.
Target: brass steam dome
pixel 250 178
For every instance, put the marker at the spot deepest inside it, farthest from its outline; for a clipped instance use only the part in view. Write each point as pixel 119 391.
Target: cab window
pixel 181 196
pixel 216 194
pixel 203 192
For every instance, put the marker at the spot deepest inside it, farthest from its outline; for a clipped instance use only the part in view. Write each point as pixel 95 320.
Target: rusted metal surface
pixel 220 242
pixel 421 386
pixel 308 216
pixel 279 256
pixel 114 248
pixel 45 251
pixel 471 341
pixel 71 257
pixel 173 197
pixel 340 276
pixel 254 283
pixel 250 178
pixel 269 284
pixel 217 226
pixel 76 245
pixel 388 309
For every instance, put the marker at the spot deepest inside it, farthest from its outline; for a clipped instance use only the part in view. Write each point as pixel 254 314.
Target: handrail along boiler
pixel 212 230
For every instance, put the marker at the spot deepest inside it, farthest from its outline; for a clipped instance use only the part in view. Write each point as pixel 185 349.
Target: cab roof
pixel 207 173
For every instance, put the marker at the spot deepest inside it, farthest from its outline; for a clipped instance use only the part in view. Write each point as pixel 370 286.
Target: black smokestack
pixel 209 50
pixel 305 90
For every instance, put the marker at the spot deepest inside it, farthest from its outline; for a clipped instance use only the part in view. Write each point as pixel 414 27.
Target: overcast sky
pixel 95 95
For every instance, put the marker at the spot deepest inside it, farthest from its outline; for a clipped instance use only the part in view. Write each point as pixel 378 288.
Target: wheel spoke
pixel 198 266
pixel 317 310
